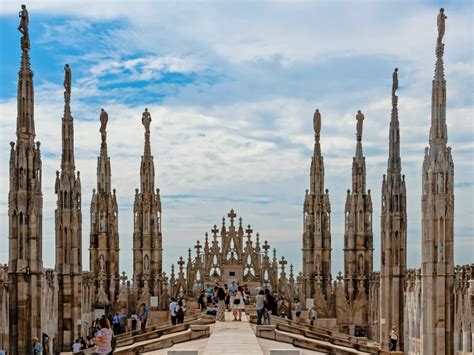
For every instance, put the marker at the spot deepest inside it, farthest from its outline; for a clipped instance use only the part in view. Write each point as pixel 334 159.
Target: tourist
pixel 393 338
pixel 180 309
pixel 116 323
pixel 77 346
pixel 172 308
pixel 312 315
pixel 201 302
pixel 89 342
pixel 104 339
pixel 275 304
pixel 221 303
pixel 259 306
pixel 134 319
pixel 232 292
pixel 297 309
pixel 268 305
pixel 144 316
pixel 227 299
pixel 238 304
pixel 247 294
pixel 37 347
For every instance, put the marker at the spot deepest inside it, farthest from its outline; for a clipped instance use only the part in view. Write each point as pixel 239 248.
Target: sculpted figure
pixel 146 263
pixel 317 122
pixel 360 122
pixel 24 21
pixel 102 263
pixel 67 78
pixel 394 81
pixel 441 25
pixel 146 119
pixel 104 118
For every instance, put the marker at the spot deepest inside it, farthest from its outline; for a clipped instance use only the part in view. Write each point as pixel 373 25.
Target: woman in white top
pixel 238 305
pixel 104 339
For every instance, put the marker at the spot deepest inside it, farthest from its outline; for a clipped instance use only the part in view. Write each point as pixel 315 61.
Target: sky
pixel 232 88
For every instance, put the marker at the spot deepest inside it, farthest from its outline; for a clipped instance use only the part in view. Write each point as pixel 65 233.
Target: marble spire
pixel 317 223
pixel 104 236
pixel 68 223
pixel 25 212
pixel 358 236
pixel 437 201
pixel 393 234
pixel 147 237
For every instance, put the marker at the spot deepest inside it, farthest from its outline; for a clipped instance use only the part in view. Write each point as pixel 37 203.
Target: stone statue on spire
pixel 23 27
pixel 67 78
pixel 441 25
pixel 394 81
pixel 360 122
pixel 146 119
pixel 317 122
pixel 104 117
pixel 24 20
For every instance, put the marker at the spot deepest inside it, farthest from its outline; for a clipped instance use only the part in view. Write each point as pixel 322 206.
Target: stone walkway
pixel 233 338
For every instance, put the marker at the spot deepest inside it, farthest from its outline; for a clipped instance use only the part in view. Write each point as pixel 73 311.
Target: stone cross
pixel 172 270
pixel 189 254
pixel 265 247
pixel 249 231
pixel 215 230
pixel 123 278
pixel 181 264
pixel 198 247
pixel 232 215
pixel 283 263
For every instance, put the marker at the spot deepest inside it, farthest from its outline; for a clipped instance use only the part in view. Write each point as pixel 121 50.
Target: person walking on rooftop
pixel 238 305
pixel 259 306
pixel 220 293
pixel 172 309
pixel 393 338
pixel 144 316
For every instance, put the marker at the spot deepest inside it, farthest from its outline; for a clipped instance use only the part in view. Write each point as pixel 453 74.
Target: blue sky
pixel 232 88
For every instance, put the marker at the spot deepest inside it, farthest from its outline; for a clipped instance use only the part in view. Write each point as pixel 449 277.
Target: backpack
pixel 179 311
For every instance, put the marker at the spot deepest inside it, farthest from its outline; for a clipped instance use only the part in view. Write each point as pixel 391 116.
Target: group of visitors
pixel 265 305
pixel 177 310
